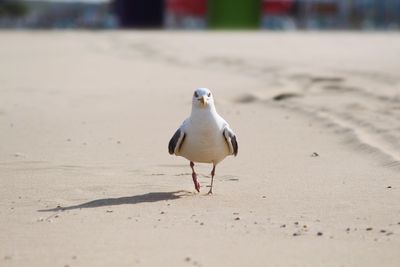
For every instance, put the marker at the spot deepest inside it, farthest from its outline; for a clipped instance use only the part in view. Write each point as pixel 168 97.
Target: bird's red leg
pixel 194 176
pixel 212 180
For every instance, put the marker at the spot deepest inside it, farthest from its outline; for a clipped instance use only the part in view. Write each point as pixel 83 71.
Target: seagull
pixel 204 137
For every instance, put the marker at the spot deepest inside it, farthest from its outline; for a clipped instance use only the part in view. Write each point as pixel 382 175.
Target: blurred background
pixel 201 14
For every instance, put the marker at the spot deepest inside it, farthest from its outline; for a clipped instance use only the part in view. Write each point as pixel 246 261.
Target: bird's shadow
pixel 144 198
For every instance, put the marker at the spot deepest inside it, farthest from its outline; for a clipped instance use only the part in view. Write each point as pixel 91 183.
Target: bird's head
pixel 202 98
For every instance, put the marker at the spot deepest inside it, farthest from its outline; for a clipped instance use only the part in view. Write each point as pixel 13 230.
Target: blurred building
pixel 280 15
pixel 61 15
pixel 331 14
pixel 284 14
pixel 202 14
pixel 234 14
pixel 374 14
pixel 139 13
pixel 186 14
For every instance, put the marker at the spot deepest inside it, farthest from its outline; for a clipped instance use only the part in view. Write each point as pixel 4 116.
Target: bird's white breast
pixel 204 141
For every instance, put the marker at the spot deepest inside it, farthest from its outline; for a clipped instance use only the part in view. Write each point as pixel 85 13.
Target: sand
pixel 86 178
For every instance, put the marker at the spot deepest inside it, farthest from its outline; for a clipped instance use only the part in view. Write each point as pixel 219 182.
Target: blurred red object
pixel 187 7
pixel 277 7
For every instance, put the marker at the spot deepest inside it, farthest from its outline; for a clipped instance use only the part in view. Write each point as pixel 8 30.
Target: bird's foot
pixel 195 182
pixel 210 192
pixel 197 186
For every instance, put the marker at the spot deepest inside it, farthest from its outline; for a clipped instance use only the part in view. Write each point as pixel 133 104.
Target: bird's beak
pixel 203 101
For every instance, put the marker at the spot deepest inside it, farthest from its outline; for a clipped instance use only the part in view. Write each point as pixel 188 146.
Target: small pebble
pixel 347 229
pixel 201 223
pixel 296 223
pixel 319 233
pixel 283 225
pixel 369 229
pixel 315 154
pixel 187 259
pixel 264 196
pixel 237 219
pixel 389 187
pixel 109 211
pixel 296 234
pixel 162 212
pixel 383 231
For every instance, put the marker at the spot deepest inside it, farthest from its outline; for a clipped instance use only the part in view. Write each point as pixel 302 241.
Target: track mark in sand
pixel 250 98
pixel 32 165
pixel 374 76
pixel 367 115
pixel 183 174
pixel 156 174
pixel 229 178
pixel 324 79
pixel 247 99
pixel 365 138
pixel 284 96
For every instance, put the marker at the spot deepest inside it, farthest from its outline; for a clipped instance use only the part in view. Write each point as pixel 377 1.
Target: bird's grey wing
pixel 176 141
pixel 230 139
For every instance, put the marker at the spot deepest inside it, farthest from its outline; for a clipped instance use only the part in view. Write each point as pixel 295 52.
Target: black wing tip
pixel 174 142
pixel 171 147
pixel 234 145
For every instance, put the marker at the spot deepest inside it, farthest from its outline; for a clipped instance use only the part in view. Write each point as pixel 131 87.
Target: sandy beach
pixel 86 178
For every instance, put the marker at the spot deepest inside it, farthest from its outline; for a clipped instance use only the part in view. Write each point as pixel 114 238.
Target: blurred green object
pixel 234 14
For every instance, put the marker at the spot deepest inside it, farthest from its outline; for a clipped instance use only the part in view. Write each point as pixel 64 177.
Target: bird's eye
pixel 195 94
pixel 209 94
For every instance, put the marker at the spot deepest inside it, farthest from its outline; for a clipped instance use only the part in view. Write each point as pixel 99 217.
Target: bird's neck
pixel 205 111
